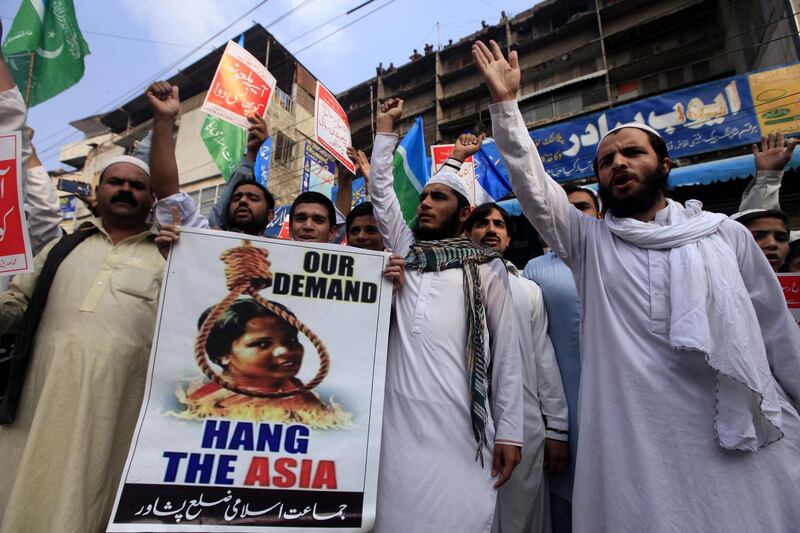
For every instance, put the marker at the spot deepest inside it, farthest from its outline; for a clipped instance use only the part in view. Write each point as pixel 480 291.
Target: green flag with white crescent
pixel 45 32
pixel 225 142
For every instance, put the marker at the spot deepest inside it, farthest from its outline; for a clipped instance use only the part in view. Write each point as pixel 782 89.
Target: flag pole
pixel 30 79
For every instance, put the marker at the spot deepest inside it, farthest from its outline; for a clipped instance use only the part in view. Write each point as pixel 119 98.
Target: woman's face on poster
pixel 269 351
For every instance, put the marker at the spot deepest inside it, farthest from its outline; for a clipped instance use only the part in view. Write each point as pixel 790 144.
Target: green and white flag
pixel 226 144
pixel 45 32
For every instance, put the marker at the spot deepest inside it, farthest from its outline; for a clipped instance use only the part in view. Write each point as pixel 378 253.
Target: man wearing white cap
pixel 690 375
pixel 84 321
pixel 452 426
pixel 770 229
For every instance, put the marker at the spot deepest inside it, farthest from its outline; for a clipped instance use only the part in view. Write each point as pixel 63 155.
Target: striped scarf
pixel 434 256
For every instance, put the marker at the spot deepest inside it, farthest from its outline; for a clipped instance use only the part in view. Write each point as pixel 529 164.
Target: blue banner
pixel 319 170
pixel 703 118
pixel 262 164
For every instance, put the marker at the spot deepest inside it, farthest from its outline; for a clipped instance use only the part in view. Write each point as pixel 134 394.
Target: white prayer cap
pixel 743 217
pixel 591 190
pixel 637 125
pixel 126 159
pixel 452 180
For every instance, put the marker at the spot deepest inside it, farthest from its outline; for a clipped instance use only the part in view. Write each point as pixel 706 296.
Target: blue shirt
pixel 564 314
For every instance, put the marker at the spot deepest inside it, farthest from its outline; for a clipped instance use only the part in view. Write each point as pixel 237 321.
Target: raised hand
pixel 775 152
pixel 467 145
pixel 390 112
pixel 257 133
pixel 360 159
pixel 163 98
pixel 502 77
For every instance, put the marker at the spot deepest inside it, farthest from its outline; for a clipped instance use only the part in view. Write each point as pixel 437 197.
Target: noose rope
pixel 247 272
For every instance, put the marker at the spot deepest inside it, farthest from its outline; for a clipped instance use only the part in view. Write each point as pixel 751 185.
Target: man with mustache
pixel 452 427
pixel 522 503
pixel 82 390
pixel 691 367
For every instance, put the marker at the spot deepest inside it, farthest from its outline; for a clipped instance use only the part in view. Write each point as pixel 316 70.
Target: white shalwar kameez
pixel 430 480
pixel 523 503
pixel 648 457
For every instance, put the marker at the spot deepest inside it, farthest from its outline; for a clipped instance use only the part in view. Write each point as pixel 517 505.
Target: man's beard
pixel 641 201
pixel 251 226
pixel 450 228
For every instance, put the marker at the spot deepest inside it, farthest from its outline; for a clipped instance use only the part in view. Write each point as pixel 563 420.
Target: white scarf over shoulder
pixel 711 313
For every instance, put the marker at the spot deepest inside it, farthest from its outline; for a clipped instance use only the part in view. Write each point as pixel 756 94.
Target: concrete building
pixel 579 56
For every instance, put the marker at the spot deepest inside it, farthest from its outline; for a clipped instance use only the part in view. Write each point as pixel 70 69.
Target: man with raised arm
pixel 691 371
pixel 452 426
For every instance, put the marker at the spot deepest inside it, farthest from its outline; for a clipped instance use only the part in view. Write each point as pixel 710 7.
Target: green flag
pixel 45 32
pixel 225 142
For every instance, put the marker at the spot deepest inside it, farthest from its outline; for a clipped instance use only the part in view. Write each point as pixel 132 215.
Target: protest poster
pixel 331 127
pixel 440 153
pixel 241 86
pixel 264 398
pixel 790 283
pixel 15 247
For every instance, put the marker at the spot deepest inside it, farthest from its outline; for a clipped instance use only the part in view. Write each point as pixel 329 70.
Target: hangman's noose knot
pixel 247 267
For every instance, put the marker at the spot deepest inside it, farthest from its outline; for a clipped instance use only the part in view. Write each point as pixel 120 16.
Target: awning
pixel 720 170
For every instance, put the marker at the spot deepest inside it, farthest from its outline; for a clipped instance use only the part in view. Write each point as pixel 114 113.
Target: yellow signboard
pixel 776 95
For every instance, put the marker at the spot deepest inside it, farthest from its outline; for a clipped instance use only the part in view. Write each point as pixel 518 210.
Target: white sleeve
pixel 778 328
pixel 507 397
pixel 396 234
pixel 190 213
pixel 552 399
pixel 763 191
pixel 13 113
pixel 42 208
pixel 543 200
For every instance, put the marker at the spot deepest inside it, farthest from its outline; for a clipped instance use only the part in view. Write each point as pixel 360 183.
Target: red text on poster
pixel 332 129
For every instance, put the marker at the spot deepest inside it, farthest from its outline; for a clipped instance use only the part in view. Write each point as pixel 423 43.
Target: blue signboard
pixel 712 116
pixel 262 164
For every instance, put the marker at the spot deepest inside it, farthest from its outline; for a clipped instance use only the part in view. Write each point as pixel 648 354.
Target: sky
pixel 133 41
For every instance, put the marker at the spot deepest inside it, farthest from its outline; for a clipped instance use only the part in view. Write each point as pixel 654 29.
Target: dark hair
pixel 361 210
pixel 313 197
pixel 267 195
pixel 658 144
pixel 794 251
pixel 232 325
pixel 483 211
pixel 569 188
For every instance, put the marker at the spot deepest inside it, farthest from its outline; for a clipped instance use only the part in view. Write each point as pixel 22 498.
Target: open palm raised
pixel 501 75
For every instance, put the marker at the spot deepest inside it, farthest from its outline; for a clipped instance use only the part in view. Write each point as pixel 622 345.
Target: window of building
pixel 207 197
pixel 282 148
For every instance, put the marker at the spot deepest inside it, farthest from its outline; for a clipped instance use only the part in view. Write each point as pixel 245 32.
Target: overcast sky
pixel 160 32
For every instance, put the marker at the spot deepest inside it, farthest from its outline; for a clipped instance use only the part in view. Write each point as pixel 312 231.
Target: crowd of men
pixel 641 375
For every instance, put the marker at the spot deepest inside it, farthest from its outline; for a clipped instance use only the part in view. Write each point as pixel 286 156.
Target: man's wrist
pixel 164 119
pixel 385 125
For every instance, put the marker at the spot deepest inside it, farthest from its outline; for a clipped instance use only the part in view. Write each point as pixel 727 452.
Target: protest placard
pixel 332 129
pixel 264 398
pixel 440 153
pixel 15 247
pixel 241 86
pixel 790 283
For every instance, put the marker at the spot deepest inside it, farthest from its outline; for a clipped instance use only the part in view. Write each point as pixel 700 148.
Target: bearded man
pixel 690 375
